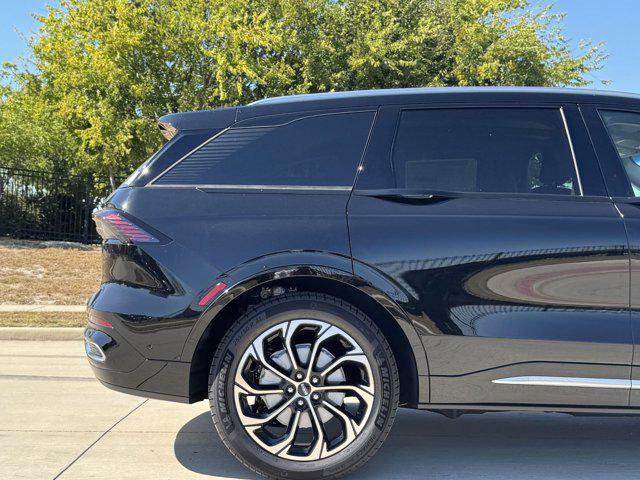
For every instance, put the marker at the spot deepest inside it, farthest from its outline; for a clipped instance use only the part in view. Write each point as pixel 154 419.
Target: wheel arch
pixel 371 299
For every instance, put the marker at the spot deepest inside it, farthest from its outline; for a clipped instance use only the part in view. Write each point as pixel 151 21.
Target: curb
pixel 38 334
pixel 42 308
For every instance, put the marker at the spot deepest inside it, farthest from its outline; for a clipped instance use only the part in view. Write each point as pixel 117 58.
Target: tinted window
pixel 171 151
pixel 314 151
pixel 496 150
pixel 624 129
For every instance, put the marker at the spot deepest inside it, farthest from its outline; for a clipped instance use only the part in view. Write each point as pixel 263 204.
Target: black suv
pixel 311 263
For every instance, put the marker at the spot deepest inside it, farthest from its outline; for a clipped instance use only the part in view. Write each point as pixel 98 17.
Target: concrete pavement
pixel 56 421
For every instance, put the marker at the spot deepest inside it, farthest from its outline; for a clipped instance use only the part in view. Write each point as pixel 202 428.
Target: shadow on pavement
pixel 496 445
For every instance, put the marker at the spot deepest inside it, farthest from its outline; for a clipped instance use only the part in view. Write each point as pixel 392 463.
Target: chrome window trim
pixel 340 188
pixel 573 153
pixel 297 119
pixel 151 182
pixel 548 381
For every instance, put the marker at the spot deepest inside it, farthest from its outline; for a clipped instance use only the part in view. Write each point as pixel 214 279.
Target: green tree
pixel 102 71
pixel 32 134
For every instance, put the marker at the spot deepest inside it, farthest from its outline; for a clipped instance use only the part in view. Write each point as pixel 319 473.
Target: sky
pixel 613 22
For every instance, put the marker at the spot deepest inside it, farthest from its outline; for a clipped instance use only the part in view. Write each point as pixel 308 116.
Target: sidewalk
pixel 58 422
pixel 42 308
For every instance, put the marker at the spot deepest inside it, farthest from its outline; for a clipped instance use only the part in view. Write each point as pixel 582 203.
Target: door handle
pixel 406 196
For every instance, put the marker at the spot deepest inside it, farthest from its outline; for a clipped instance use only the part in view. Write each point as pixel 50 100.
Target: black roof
pixel 406 96
pixel 222 117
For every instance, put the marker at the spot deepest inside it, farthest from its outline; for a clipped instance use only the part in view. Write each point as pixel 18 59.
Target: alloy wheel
pixel 304 390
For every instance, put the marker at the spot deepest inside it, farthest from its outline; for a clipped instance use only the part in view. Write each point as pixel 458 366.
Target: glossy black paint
pixel 481 286
pixel 629 207
pixel 547 273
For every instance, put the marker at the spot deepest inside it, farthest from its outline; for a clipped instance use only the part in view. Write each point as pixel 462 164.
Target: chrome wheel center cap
pixel 304 389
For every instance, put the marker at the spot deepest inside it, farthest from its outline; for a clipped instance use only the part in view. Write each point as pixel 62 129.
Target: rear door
pixel 510 259
pixel 616 135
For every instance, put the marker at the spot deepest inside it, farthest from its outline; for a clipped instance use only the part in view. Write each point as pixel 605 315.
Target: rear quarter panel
pixel 211 233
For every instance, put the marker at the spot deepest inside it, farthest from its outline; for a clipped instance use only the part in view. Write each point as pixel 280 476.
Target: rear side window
pixel 624 129
pixel 493 150
pixel 171 151
pixel 315 151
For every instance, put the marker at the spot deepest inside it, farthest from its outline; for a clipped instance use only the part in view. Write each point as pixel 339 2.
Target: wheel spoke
pixel 366 396
pixel 286 442
pixel 291 329
pixel 259 352
pixel 349 430
pixel 318 448
pixel 324 334
pixel 259 383
pixel 253 421
pixel 350 357
pixel 242 384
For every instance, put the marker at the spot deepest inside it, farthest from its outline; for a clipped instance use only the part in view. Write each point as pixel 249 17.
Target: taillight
pixel 112 224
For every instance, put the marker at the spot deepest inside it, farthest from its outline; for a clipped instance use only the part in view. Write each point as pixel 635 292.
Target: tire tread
pixel 320 297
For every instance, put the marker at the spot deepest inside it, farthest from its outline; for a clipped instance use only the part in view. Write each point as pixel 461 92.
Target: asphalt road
pixel 56 421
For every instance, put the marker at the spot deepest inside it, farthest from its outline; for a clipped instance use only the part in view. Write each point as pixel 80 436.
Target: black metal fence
pixel 43 205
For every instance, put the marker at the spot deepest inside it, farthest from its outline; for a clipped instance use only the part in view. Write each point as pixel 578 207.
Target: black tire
pixel 312 306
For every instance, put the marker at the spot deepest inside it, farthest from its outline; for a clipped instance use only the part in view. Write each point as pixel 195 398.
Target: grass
pixel 31 274
pixel 42 319
pixel 39 273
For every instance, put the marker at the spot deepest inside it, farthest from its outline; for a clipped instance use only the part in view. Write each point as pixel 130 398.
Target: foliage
pixel 32 134
pixel 102 71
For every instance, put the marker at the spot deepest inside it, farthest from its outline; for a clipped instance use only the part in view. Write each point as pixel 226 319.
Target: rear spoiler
pixel 219 118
